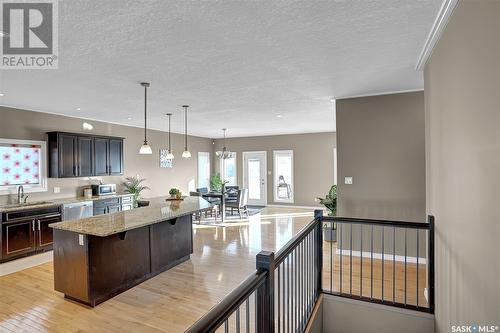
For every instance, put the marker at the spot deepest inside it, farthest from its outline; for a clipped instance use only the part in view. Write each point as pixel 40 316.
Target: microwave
pixel 103 189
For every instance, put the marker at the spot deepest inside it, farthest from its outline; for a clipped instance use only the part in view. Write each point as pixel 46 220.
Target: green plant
pixel 133 185
pixel 330 201
pixel 216 183
pixel 173 191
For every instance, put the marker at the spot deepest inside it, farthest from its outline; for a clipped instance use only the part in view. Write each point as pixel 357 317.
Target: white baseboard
pixel 24 263
pixel 388 257
pixel 296 206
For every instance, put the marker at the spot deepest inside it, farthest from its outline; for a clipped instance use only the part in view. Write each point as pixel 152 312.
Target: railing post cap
pixel 318 213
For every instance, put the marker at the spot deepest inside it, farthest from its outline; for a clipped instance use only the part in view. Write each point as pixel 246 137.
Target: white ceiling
pixel 238 64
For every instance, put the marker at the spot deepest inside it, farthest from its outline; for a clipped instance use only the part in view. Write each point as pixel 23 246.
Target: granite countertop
pixel 54 202
pixel 159 210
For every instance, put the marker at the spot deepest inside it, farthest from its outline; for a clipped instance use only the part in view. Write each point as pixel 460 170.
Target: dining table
pixel 220 196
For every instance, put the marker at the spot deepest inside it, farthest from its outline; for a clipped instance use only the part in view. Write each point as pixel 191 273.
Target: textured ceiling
pixel 238 64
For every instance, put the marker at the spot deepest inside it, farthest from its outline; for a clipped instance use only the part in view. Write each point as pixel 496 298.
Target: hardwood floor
pixel 224 255
pixel 170 302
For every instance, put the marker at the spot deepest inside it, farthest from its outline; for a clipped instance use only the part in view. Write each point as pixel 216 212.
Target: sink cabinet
pixel 26 231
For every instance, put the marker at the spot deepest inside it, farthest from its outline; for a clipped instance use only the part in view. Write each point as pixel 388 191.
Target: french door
pixel 255 177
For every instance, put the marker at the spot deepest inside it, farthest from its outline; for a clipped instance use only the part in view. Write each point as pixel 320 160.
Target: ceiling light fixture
pixel 2 95
pixel 129 118
pixel 186 153
pixel 78 109
pixel 224 153
pixel 170 155
pixel 279 116
pixel 145 148
pixel 87 126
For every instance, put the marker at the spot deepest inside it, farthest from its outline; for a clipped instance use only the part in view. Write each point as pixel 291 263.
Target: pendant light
pixel 186 153
pixel 170 155
pixel 224 153
pixel 145 148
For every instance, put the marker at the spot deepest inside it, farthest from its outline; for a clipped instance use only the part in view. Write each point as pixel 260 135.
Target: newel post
pixel 265 293
pixel 318 215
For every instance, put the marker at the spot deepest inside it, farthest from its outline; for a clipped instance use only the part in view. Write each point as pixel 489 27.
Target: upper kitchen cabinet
pixel 81 155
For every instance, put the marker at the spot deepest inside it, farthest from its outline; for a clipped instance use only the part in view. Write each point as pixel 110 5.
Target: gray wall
pixel 312 156
pixel 381 144
pixel 462 94
pixel 29 125
pixel 342 315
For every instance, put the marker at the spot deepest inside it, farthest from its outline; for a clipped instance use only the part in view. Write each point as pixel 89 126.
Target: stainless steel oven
pixel 104 189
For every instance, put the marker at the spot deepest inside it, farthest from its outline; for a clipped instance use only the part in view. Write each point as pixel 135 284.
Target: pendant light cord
pixel 145 112
pixel 185 128
pixel 169 141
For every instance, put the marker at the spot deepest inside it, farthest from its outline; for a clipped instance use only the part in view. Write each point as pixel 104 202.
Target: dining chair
pixel 240 204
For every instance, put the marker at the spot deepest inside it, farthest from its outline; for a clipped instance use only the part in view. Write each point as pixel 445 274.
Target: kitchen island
pixel 99 257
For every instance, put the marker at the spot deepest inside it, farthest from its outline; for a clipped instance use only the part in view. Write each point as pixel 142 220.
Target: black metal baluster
pixel 394 265
pixel 341 255
pixel 226 326
pixel 331 256
pixel 288 293
pixel 383 261
pixel 247 314
pixel 371 266
pixel 295 289
pixel 350 260
pixel 361 264
pixel 301 297
pixel 405 260
pixel 278 276
pixel 417 264
pixel 238 320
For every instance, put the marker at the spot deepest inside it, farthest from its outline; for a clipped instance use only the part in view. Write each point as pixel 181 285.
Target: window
pixel 228 170
pixel 22 162
pixel 283 175
pixel 203 169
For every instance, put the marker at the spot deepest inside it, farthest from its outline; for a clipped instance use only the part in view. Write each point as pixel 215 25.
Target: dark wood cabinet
pixel 67 155
pixel 18 237
pixel 44 237
pixel 101 153
pixel 82 155
pixel 115 157
pixel 85 156
pixel 107 206
pixel 27 232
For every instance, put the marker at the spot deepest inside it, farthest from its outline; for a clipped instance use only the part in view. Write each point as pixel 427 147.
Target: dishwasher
pixel 77 210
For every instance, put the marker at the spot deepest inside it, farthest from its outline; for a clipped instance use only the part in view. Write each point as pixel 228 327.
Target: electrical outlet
pixel 348 180
pixel 57 189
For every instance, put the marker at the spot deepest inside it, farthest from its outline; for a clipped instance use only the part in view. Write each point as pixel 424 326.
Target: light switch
pixel 348 180
pixel 81 240
pixel 57 189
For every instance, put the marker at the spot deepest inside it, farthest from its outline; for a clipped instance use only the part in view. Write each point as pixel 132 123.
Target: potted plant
pixel 133 185
pixel 216 183
pixel 330 203
pixel 173 192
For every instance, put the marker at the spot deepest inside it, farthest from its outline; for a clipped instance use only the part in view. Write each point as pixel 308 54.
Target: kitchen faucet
pixel 21 198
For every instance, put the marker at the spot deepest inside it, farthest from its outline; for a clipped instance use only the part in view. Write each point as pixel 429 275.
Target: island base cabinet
pixel 91 269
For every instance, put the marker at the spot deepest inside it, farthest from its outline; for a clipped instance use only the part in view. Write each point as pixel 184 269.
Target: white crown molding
pixel 437 29
pixel 380 93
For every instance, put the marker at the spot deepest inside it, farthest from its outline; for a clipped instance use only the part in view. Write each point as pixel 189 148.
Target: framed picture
pixel 164 161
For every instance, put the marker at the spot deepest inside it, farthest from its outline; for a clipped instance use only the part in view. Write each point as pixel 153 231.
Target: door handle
pixel 39 229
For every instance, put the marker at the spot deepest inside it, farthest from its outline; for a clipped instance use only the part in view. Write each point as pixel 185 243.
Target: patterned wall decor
pixel 164 161
pixel 19 164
